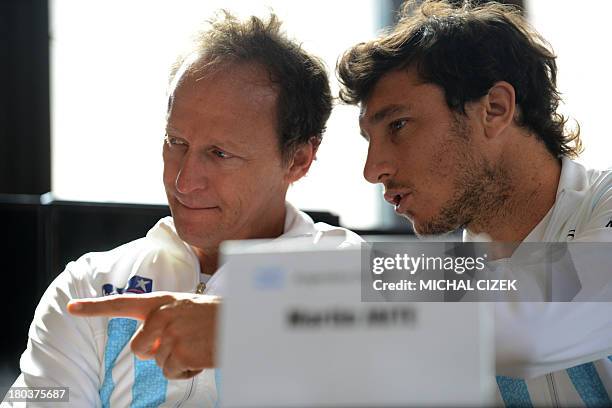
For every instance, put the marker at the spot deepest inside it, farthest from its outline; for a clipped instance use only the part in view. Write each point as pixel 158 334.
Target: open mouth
pixel 396 197
pixel 397 200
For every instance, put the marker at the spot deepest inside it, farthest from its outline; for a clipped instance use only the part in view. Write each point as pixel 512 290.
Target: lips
pixel 195 206
pixel 396 197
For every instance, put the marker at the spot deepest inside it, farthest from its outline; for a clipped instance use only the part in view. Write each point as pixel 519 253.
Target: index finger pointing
pixel 128 305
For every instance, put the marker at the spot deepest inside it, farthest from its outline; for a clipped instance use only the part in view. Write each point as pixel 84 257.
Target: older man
pixel 458 106
pixel 246 113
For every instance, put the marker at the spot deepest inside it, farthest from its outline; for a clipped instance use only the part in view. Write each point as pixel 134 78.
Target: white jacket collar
pixel 572 189
pixel 297 223
pixel 164 235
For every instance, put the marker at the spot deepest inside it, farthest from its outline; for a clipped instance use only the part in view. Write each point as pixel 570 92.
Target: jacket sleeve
pixel 533 338
pixel 62 349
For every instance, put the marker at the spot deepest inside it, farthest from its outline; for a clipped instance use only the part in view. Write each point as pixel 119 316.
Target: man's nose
pixel 378 166
pixel 192 175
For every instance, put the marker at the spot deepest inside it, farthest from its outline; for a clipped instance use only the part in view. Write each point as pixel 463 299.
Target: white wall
pixel 579 32
pixel 110 62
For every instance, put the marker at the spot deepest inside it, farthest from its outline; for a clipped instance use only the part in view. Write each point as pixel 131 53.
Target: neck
pixel 209 260
pixel 534 179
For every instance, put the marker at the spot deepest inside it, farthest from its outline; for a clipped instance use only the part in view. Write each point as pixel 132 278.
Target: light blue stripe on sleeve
pixel 119 332
pixel 514 392
pixel 589 386
pixel 150 385
pixel 218 387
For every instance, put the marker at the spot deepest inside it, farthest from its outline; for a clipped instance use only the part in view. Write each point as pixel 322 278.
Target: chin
pixel 195 232
pixel 199 240
pixel 432 228
pixel 414 223
pixel 419 231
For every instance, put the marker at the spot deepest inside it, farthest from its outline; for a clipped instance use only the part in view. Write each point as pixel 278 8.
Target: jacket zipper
pixel 550 379
pixel 186 397
pixel 200 288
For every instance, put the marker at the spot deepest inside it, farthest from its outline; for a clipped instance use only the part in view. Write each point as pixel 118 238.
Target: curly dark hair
pixel 304 98
pixel 465 50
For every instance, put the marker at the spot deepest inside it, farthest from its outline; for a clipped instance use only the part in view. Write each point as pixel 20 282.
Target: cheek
pixel 257 186
pixel 236 188
pixel 448 159
pixel 445 167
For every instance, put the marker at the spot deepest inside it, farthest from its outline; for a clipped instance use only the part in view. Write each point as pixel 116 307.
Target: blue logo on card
pixel 269 278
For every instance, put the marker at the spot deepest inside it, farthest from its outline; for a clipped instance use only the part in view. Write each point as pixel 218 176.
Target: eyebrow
pixel 237 146
pixel 387 111
pixel 170 129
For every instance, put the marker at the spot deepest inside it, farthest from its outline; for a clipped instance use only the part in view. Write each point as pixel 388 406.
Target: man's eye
pixel 221 154
pixel 397 124
pixel 173 141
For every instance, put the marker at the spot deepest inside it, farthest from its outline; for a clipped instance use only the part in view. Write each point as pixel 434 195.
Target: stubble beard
pixel 481 191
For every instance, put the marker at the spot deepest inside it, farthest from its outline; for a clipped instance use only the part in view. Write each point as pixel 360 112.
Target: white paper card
pixel 294 332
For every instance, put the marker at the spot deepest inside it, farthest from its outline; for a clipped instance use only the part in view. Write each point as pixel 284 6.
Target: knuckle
pixel 182 303
pixel 168 298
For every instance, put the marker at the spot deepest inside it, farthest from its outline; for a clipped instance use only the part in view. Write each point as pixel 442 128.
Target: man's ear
pixel 302 159
pixel 499 108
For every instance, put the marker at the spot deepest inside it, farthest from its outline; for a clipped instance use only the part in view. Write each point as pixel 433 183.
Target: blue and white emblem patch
pixel 138 284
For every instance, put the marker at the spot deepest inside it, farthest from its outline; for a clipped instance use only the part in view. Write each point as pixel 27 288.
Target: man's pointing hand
pixel 178 330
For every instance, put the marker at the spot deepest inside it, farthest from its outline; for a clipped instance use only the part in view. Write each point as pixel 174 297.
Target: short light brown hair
pixel 304 98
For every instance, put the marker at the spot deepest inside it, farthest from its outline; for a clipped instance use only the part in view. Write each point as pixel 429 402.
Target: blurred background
pixel 82 110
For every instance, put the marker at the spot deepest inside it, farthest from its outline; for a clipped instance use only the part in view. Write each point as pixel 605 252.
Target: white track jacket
pixel 89 355
pixel 560 354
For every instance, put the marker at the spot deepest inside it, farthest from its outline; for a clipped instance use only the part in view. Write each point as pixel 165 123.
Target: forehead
pixel 230 97
pixel 400 91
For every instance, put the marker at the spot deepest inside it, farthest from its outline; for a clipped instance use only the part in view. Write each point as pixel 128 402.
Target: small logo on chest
pixel 136 284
